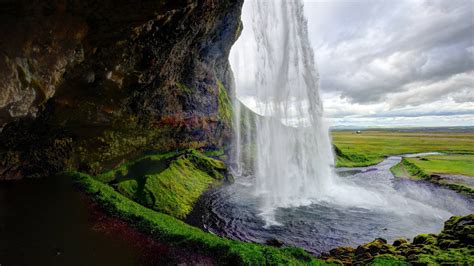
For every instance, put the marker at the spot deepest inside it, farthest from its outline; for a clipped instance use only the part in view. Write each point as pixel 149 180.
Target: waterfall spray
pixel 276 66
pixel 287 145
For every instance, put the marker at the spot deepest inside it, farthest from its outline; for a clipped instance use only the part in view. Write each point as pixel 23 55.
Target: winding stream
pixel 413 208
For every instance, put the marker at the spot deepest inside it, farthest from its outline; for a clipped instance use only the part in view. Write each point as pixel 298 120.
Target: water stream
pixel 414 208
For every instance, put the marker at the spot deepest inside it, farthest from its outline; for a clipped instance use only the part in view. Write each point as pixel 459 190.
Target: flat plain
pixel 370 147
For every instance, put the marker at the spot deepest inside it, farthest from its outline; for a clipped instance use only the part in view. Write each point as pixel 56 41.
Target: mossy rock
pixel 399 242
pixel 453 246
pixel 170 183
pixel 425 239
pixel 385 260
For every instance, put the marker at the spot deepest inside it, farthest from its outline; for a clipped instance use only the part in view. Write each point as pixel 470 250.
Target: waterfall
pixel 273 63
pixel 287 147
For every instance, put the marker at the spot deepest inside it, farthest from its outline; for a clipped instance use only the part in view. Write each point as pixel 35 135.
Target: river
pixel 411 208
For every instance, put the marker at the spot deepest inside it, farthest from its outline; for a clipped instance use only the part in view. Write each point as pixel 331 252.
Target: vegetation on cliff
pixel 225 104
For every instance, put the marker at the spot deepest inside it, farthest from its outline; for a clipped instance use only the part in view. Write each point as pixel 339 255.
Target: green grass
pixel 169 183
pixel 410 168
pixel 173 231
pixel 347 159
pixel 370 147
pixel 446 164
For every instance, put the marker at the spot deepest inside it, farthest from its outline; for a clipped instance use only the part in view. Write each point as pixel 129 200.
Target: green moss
pixel 169 183
pixel 171 230
pixel 183 88
pixel 214 153
pixel 128 188
pixel 388 260
pixel 172 191
pixel 225 104
pixel 425 239
pixel 117 142
pixel 458 256
pixel 453 246
pixel 144 165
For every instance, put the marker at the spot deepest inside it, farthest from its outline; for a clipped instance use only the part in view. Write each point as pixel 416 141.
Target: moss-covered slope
pixel 170 183
pixel 171 230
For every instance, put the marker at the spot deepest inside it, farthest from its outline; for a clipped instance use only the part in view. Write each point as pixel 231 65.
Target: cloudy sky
pixel 395 63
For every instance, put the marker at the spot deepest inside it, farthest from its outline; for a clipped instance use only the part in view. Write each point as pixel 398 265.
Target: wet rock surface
pixel 454 245
pixel 89 84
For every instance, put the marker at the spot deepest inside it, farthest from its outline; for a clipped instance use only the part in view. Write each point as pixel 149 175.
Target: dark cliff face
pixel 90 83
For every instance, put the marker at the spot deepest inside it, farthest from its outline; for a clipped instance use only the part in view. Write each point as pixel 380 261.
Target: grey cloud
pixel 463 96
pixel 393 47
pixel 422 114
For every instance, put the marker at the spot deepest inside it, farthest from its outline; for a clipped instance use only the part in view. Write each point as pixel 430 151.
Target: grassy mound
pixel 171 230
pixel 169 183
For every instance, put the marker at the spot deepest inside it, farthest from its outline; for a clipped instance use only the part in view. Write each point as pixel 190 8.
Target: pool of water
pixel 411 208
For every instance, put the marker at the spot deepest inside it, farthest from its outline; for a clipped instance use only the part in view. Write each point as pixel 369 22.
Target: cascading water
pixel 288 146
pixel 293 152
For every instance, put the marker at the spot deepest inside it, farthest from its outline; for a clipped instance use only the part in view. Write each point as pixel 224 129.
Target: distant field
pixel 446 164
pixel 370 147
pixel 455 172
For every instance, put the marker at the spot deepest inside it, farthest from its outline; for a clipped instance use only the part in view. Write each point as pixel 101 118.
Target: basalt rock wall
pixel 88 84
